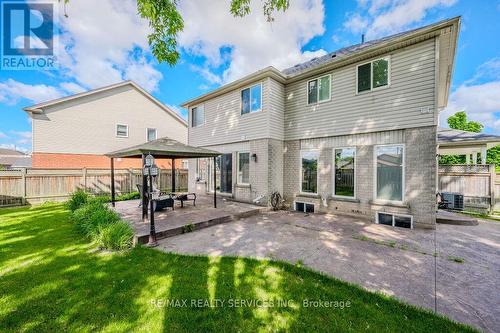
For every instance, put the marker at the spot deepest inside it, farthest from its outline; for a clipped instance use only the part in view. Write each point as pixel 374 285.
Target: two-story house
pixel 353 131
pixel 76 131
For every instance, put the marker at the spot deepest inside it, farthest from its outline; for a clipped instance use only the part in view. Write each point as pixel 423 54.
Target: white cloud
pixel 105 41
pixel 250 43
pixel 180 111
pixel 12 91
pixel 479 101
pixel 385 17
pixel 72 87
pixel 15 147
pixel 3 135
pixel 22 137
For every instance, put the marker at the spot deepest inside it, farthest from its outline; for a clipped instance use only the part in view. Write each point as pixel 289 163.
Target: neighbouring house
pixel 354 131
pixel 76 131
pixel 14 159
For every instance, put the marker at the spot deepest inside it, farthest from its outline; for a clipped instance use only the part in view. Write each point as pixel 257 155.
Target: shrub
pixel 116 236
pixel 77 200
pixel 93 216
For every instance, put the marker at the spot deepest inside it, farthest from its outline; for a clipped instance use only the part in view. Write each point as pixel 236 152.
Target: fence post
pixel 131 180
pixel 84 175
pixel 23 179
pixel 492 187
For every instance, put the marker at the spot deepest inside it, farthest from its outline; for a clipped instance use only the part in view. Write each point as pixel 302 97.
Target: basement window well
pixel 304 207
pixel 395 220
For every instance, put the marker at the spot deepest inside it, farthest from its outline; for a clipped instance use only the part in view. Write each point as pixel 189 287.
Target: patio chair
pixel 186 197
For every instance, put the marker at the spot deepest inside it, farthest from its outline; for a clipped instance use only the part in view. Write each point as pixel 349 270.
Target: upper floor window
pixel 122 131
pixel 318 90
pixel 373 75
pixel 197 116
pixel 151 134
pixel 251 99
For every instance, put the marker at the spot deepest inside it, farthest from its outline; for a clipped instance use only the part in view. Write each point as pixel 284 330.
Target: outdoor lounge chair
pixel 163 200
pixel 186 197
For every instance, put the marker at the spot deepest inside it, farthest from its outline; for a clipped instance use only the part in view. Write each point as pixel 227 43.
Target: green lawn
pixel 52 279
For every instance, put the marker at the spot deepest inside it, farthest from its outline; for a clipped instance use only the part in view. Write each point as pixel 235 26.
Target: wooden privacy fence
pixel 479 184
pixel 19 187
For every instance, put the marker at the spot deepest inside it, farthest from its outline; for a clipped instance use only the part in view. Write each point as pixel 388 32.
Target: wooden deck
pixel 170 222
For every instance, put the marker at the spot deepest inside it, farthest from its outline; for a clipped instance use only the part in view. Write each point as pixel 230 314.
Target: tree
pixel 166 22
pixel 459 121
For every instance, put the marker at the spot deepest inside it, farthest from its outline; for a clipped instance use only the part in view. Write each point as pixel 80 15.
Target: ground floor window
pixel 395 220
pixel 304 207
pixel 201 169
pixel 309 171
pixel 389 172
pixel 243 168
pixel 344 172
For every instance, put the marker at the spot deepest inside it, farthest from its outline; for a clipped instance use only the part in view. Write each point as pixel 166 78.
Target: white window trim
pixel 238 167
pixel 382 201
pixel 191 115
pixel 355 173
pixel 295 202
pixel 300 172
pixel 261 100
pixel 329 92
pixel 388 58
pixel 393 217
pixel 147 133
pixel 116 131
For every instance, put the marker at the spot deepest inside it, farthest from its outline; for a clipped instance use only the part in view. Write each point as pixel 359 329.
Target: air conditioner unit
pixel 453 200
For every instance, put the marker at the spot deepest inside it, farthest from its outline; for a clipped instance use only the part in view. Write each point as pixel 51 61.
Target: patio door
pixel 226 173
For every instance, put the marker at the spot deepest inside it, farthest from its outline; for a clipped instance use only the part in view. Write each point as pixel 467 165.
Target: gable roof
pixel 38 108
pixel 350 50
pixel 447 136
pixel 10 152
pixel 346 56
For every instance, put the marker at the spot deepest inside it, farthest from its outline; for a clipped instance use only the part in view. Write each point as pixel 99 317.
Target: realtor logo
pixel 27 35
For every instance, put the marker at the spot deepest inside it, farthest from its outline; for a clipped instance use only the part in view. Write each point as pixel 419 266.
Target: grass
pixel 458 260
pixel 53 280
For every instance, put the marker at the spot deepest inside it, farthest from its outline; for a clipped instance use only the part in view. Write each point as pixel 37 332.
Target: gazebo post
pixel 173 174
pixel 215 183
pixel 112 181
pixel 144 191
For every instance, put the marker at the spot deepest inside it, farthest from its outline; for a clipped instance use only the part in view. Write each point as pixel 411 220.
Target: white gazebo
pixel 457 142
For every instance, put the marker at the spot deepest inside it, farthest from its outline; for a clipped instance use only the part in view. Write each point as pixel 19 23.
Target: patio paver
pixel 396 261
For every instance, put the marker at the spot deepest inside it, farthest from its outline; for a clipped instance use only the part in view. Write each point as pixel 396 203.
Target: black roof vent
pixel 314 59
pixel 334 55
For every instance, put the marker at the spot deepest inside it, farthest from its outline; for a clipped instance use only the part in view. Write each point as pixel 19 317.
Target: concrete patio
pixel 170 222
pixel 457 275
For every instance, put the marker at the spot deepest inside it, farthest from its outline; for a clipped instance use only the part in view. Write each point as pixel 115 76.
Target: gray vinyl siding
pixel 277 107
pixel 224 122
pixel 412 86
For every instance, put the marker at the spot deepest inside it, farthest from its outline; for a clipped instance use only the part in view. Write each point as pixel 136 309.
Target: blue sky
pixel 103 41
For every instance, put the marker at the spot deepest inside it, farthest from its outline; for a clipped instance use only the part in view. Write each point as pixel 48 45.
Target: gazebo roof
pixel 164 147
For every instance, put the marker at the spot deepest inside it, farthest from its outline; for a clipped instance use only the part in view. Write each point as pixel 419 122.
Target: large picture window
pixel 345 172
pixel 309 171
pixel 197 116
pixel 318 90
pixel 390 172
pixel 243 168
pixel 372 75
pixel 251 99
